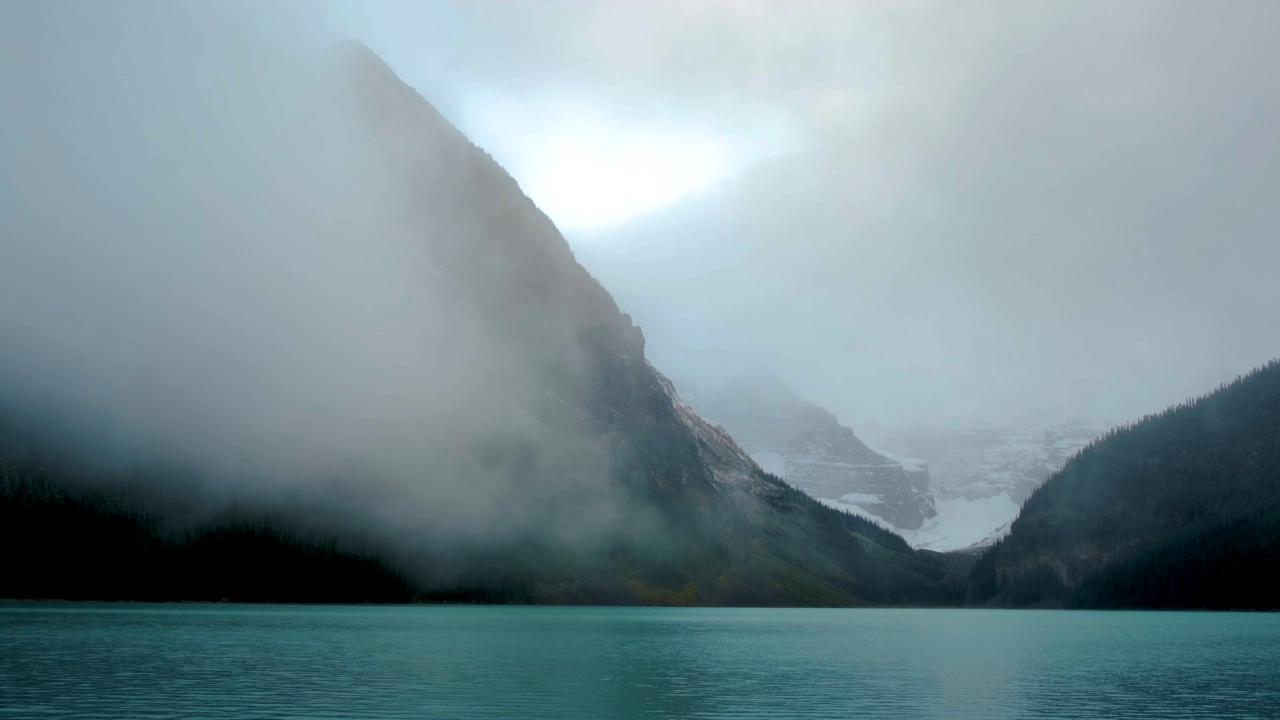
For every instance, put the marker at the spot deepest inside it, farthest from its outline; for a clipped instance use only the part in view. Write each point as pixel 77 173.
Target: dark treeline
pixel 1178 510
pixel 65 538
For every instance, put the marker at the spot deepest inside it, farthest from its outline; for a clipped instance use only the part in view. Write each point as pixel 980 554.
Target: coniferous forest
pixel 1178 510
pixel 68 531
pixel 83 544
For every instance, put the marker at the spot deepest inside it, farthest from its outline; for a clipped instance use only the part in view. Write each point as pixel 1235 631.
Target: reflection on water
pixel 205 661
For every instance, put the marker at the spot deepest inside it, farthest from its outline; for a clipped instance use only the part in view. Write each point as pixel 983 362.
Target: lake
pixel 238 661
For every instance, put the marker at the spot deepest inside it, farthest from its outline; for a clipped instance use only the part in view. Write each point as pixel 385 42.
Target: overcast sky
pixel 907 210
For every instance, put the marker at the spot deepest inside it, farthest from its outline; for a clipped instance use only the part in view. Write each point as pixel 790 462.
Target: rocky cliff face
pixel 809 448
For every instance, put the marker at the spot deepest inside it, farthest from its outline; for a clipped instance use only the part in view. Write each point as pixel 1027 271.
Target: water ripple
pixel 277 663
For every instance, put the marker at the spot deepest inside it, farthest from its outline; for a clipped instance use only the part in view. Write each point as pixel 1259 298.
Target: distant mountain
pixel 1178 510
pixel 975 462
pixel 980 475
pixel 550 462
pixel 809 448
pixel 942 488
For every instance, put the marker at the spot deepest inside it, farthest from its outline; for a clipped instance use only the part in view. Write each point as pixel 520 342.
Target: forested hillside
pixel 61 538
pixel 1178 510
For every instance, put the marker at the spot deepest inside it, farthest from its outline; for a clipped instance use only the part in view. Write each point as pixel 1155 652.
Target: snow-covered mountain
pixel 942 488
pixel 980 476
pixel 809 448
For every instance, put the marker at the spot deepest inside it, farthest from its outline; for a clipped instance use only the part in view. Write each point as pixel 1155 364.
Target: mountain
pixel 981 461
pixel 527 450
pixel 980 475
pixel 809 448
pixel 1178 510
pixel 942 488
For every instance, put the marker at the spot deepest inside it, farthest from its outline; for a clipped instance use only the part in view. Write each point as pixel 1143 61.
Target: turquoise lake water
pixel 228 661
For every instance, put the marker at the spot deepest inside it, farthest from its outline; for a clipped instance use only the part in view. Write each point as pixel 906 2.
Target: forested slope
pixel 1178 510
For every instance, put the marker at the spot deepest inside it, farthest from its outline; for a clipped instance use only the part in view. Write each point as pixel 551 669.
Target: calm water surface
pixel 212 661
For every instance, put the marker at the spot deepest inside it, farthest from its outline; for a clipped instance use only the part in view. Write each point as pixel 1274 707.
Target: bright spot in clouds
pixel 589 176
pixel 588 170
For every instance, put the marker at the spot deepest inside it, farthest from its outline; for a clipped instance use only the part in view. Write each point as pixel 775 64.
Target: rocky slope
pixel 809 448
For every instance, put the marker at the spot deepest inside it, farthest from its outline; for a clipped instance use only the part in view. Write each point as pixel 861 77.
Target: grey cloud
pixel 1033 206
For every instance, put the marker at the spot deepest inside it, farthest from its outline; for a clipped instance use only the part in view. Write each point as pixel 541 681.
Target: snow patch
pixel 855 509
pixel 861 499
pixel 963 523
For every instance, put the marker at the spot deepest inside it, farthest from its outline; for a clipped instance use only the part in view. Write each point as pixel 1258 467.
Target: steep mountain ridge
pixel 729 533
